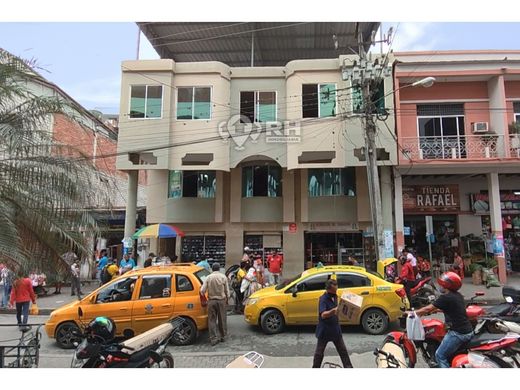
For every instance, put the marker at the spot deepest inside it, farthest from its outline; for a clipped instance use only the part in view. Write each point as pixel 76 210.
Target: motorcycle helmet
pixel 102 327
pixel 450 281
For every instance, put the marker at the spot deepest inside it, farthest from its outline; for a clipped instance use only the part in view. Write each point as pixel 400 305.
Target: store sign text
pixel 431 198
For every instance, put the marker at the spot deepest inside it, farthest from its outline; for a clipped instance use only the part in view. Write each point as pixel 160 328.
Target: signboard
pixel 332 227
pixel 431 198
pixel 509 203
pixel 407 230
pixel 498 245
pixel 389 243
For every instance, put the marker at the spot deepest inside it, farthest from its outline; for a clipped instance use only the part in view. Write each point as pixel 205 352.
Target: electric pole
pixel 367 75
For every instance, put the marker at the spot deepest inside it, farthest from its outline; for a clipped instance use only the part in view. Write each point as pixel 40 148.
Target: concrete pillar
pixel 386 205
pixel 131 203
pixel 288 195
pixel 219 198
pixel 304 192
pixel 399 214
pixel 498 121
pixel 178 245
pixel 496 221
pixel 293 252
pixel 234 245
pixel 235 198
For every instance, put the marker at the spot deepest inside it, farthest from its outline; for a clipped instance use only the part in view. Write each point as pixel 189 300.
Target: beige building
pixel 291 178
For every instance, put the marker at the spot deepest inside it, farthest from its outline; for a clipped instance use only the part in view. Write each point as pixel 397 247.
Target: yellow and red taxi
pixel 138 301
pixel 295 301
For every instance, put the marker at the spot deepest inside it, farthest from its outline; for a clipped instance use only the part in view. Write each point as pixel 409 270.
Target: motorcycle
pixel 423 293
pixel 499 349
pixel 147 350
pixel 508 310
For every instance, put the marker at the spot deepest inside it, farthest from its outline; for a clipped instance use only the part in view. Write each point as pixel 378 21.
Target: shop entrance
pixel 333 248
pixel 204 247
pixel 445 234
pixel 264 244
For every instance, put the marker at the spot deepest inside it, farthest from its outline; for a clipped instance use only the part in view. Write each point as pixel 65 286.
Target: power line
pixel 198 30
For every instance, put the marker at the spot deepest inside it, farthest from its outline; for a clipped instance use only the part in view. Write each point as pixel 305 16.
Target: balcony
pixel 462 147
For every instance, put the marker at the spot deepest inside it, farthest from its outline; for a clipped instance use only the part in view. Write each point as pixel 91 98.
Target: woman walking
pixel 22 293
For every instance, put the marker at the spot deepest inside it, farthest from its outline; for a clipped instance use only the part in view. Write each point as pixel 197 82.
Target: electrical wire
pixel 194 31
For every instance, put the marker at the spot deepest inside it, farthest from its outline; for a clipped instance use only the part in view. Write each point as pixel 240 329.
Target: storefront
pixel 209 246
pixel 264 243
pixel 442 202
pixel 510 209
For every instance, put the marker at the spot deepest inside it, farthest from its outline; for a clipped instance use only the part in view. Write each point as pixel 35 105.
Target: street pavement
pixel 292 349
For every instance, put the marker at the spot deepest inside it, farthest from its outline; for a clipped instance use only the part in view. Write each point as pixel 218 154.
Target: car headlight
pixel 250 301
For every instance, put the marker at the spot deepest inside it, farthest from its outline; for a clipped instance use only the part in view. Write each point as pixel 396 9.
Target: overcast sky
pixel 84 59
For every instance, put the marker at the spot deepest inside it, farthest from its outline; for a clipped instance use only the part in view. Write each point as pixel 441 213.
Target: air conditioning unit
pixel 480 127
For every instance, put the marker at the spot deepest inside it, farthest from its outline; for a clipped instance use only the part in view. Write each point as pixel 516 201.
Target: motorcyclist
pixel 451 303
pixel 407 276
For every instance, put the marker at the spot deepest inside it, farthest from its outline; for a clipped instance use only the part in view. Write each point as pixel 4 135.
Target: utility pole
pixel 367 75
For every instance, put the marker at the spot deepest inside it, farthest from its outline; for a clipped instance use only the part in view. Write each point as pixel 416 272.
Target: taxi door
pixel 154 303
pixel 303 299
pixel 187 299
pixel 357 284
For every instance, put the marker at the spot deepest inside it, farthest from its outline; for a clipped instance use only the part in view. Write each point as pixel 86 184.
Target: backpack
pixel 105 276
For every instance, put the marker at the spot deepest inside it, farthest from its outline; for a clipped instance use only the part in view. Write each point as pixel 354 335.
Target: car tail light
pixel 401 292
pixel 203 300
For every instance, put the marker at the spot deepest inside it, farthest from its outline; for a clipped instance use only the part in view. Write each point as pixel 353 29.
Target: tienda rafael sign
pixel 431 198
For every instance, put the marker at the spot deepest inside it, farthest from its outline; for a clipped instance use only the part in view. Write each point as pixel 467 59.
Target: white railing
pixel 451 147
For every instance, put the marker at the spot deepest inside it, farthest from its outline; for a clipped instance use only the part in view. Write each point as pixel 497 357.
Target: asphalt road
pixel 294 348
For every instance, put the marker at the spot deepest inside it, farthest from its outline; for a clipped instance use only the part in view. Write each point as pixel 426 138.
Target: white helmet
pixel 246 249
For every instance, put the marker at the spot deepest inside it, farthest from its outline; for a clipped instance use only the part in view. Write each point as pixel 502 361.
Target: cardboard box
pixel 349 307
pixel 477 278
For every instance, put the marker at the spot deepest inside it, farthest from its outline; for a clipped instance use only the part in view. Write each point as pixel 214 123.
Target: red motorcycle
pixel 500 350
pixel 423 293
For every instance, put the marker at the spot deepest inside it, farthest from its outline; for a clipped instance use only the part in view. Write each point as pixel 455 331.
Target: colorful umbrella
pixel 160 230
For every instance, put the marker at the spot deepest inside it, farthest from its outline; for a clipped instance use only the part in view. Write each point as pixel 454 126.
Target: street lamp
pixel 427 82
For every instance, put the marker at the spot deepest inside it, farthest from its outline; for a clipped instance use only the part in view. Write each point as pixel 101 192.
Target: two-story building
pixel 459 159
pixel 269 157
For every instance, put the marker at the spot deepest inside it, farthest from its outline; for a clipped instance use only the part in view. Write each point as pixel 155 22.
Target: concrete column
pixel 219 197
pixel 234 245
pixel 496 221
pixel 178 242
pixel 288 195
pixel 498 118
pixel 304 188
pixel 293 252
pixel 235 198
pixel 399 214
pixel 386 205
pixel 131 203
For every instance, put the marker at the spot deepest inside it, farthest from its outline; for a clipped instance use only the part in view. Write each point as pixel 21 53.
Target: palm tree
pixel 45 187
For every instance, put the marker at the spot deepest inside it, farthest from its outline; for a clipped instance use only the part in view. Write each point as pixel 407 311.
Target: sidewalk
pixel 493 295
pixel 51 301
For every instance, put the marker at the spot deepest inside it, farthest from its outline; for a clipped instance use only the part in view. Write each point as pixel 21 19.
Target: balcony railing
pixel 453 147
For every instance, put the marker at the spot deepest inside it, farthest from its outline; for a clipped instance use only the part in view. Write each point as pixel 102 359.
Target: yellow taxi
pixel 138 301
pixel 295 301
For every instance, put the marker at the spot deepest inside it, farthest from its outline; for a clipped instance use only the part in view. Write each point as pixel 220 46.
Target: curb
pixel 41 312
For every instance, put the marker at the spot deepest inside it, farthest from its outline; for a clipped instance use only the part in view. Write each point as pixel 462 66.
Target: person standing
pixel 275 264
pixel 407 276
pixel 412 259
pixel 328 328
pixel 103 261
pixel 75 283
pixel 7 277
pixel 237 282
pixel 451 303
pixel 148 262
pixel 127 264
pixel 22 294
pixel 204 264
pixel 216 285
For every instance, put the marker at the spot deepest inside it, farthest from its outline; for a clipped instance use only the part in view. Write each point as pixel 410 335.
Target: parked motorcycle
pixel 498 349
pixel 423 293
pixel 508 310
pixel 146 350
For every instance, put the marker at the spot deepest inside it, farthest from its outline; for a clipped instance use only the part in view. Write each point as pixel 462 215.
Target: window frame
pixel 269 166
pixel 198 171
pixel 383 98
pixel 516 111
pixel 341 184
pixel 193 102
pixel 338 274
pixel 257 104
pixel 318 85
pixel 113 283
pixel 310 277
pixel 139 298
pixel 177 276
pixel 145 101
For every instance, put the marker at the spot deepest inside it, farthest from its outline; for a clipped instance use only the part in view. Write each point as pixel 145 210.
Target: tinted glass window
pixel 189 184
pixel 183 283
pixel 137 101
pixel 247 105
pixel 154 102
pixel 327 100
pixel 202 106
pixel 310 100
pixel 185 103
pixel 156 287
pixel 352 280
pixel 314 283
pixel 118 291
pixel 202 275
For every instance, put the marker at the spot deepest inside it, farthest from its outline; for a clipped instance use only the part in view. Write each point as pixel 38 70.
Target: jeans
pixel 5 296
pixel 22 309
pixel 451 343
pixel 340 347
pixel 217 319
pixel 75 286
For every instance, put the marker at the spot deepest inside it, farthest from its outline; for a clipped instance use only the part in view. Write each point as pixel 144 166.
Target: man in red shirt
pixel 407 276
pixel 275 264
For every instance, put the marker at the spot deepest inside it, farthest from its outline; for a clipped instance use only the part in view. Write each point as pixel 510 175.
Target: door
pixel 115 301
pixel 303 307
pixel 154 303
pixel 187 299
pixel 357 284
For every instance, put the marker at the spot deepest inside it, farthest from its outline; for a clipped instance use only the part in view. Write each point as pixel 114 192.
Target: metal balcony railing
pixel 452 147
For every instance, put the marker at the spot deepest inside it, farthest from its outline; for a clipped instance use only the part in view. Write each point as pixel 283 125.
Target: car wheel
pixel 67 334
pixel 186 333
pixel 374 321
pixel 272 322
